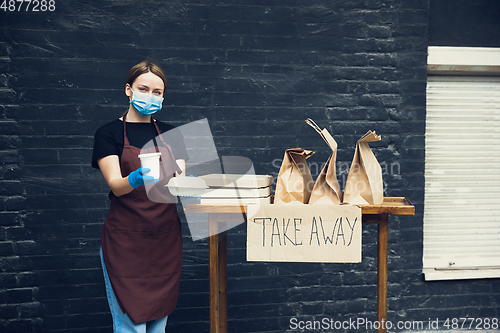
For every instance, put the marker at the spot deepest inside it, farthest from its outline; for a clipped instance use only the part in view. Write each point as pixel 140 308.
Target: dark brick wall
pixel 464 23
pixel 256 70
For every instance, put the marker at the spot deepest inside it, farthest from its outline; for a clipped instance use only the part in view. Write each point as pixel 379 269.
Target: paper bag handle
pixel 311 123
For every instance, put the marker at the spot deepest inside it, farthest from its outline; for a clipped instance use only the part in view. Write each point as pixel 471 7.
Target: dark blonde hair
pixel 146 67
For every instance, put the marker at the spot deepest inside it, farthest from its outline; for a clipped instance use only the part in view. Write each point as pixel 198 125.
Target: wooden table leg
pixel 214 274
pixel 218 276
pixel 223 282
pixel 383 240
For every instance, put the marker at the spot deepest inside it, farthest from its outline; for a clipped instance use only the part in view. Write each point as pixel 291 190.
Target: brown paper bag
pixel 294 182
pixel 364 183
pixel 326 189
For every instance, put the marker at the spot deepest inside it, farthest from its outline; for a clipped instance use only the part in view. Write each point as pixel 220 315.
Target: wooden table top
pixel 391 205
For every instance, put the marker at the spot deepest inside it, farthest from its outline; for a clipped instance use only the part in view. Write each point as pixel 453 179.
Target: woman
pixel 141 239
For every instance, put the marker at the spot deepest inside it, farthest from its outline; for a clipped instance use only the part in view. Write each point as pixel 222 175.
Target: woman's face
pixel 147 83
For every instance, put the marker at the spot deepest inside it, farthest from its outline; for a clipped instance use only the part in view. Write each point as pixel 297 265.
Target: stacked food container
pixel 233 189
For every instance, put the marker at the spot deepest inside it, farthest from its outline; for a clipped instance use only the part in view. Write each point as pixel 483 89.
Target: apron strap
pixel 126 142
pixel 179 171
pixel 125 139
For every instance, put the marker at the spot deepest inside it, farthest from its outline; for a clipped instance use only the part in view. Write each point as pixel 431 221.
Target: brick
pixel 4 64
pixel 10 188
pixel 380 31
pixel 81 306
pixel 414 4
pixel 9 142
pixel 15 296
pixel 7 95
pixel 69 291
pixel 383 87
pixel 16 326
pixel 47 232
pixel 82 320
pixel 8 127
pixel 52 217
pixel 14 203
pixel 415 127
pixel 59 261
pixel 8 311
pixel 10 157
pixel 4 49
pixel 9 218
pixel 30 310
pixel 4 81
pixel 8 280
pixel 40 156
pixel 50 172
pixel 409 30
pixel 6 249
pixel 25 279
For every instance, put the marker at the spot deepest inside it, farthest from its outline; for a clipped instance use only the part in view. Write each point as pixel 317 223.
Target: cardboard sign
pixel 304 233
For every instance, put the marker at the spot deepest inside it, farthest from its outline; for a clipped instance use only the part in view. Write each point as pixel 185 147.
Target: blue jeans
pixel 121 321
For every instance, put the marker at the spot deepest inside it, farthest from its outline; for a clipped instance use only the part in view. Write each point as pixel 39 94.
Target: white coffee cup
pixel 151 161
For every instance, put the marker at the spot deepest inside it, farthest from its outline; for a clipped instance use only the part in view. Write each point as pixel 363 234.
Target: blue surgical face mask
pixel 145 104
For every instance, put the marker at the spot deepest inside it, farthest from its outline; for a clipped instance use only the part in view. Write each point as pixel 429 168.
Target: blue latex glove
pixel 137 178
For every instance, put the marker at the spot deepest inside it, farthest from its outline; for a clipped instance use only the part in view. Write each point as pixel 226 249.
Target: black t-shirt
pixel 108 139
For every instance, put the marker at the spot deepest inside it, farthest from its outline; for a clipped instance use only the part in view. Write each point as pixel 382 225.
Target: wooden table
pixel 218 214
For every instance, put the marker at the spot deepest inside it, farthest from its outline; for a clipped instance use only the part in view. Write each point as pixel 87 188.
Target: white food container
pixel 186 186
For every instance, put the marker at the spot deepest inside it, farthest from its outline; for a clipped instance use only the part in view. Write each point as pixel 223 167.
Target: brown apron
pixel 142 242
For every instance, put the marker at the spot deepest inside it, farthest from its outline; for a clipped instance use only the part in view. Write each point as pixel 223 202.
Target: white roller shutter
pixel 462 178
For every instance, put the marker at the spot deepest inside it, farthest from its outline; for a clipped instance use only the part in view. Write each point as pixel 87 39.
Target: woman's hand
pixel 137 178
pixel 110 168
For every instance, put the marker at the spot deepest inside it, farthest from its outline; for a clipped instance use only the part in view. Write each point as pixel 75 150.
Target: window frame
pixel 462 61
